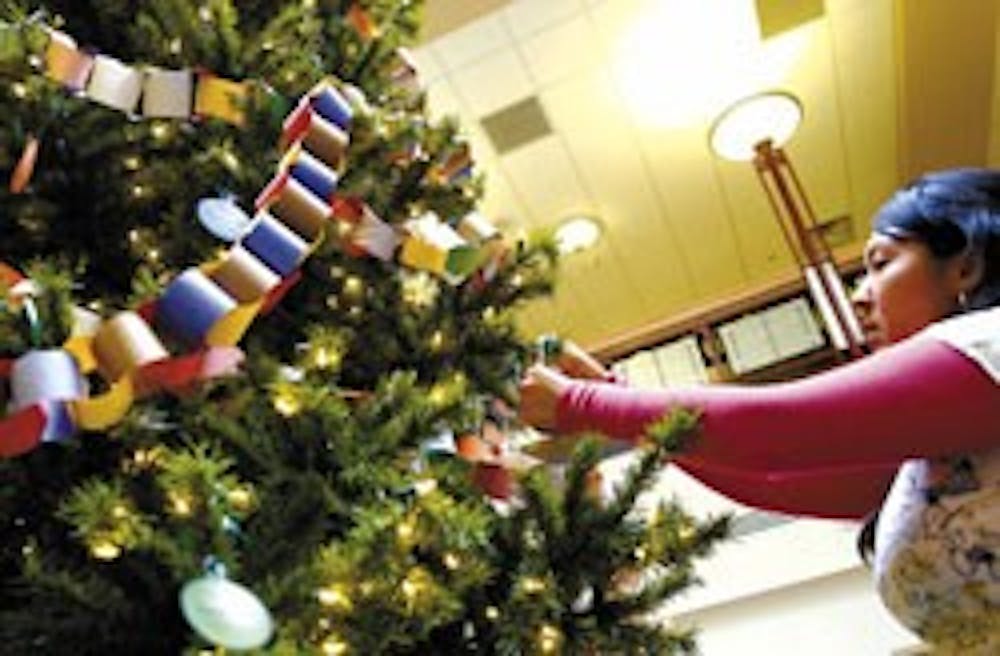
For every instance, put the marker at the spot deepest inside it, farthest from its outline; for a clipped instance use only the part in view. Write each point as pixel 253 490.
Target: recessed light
pixel 577 233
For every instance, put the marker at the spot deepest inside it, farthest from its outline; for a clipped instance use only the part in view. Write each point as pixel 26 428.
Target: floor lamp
pixel 754 129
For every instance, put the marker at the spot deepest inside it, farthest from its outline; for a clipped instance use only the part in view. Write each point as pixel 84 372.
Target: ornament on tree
pixel 362 22
pixel 223 218
pixel 403 72
pixel 25 168
pixel 224 612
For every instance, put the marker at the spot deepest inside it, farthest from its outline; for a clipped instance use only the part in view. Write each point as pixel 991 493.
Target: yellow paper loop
pixel 104 411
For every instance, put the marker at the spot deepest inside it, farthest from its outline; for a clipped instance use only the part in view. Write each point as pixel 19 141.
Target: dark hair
pixel 952 211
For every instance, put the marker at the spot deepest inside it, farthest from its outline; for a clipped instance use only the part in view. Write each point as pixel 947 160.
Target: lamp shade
pixel 772 115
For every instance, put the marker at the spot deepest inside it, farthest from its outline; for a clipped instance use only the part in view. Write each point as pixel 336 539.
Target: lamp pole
pixel 812 254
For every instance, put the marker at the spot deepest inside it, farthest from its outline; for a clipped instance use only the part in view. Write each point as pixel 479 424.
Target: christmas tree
pixel 287 433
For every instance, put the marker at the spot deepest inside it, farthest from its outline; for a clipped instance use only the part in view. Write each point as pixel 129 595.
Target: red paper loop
pixel 22 431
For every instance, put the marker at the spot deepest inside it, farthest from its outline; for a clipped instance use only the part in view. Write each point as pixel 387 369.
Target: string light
pixel 119 511
pixel 138 191
pixel 159 131
pixel 286 402
pixel 153 255
pixel 334 645
pixel 407 529
pixel 181 504
pixel 492 613
pixel 353 286
pixel 532 584
pixel 335 596
pixel 549 639
pixel 326 358
pixel 19 89
pixel 175 46
pixel 425 486
pixel 105 550
pixel 414 584
pixel 452 561
pixel 240 498
pixel 436 341
pixel 438 395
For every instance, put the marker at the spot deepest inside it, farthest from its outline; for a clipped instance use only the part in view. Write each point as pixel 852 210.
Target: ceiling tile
pixel 542 174
pixel 865 75
pixel 471 42
pixel 429 68
pixel 683 172
pixel 526 17
pixel 442 100
pixel 493 82
pixel 562 50
pixel 609 161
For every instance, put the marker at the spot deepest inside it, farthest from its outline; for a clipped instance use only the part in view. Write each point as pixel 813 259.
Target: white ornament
pixel 226 613
pixel 223 218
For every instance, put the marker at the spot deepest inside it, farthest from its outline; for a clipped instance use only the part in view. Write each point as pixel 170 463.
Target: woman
pixel 920 417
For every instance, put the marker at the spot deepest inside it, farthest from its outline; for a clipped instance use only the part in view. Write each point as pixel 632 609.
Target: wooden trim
pixel 728 307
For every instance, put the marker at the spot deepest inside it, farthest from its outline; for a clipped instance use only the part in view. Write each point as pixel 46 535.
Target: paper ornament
pixel 223 218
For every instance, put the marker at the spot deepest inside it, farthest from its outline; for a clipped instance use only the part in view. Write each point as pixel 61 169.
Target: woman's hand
pixel 577 363
pixel 541 388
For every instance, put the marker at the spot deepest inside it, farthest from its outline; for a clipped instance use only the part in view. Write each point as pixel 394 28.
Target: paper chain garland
pixel 157 92
pixel 207 309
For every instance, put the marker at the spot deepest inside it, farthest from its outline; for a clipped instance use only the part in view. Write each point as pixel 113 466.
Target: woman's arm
pixel 848 493
pixel 918 398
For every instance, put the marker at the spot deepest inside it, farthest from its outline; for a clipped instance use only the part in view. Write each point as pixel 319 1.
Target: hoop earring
pixel 963 301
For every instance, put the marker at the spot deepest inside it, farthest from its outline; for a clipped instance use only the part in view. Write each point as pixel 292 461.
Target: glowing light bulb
pixel 105 550
pixel 335 596
pixel 334 645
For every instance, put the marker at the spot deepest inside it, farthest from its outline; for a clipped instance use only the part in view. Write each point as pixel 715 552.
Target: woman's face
pixel 904 289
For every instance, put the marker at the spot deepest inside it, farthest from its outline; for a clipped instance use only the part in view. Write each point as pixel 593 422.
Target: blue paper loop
pixel 191 305
pixel 276 245
pixel 332 106
pixel 316 176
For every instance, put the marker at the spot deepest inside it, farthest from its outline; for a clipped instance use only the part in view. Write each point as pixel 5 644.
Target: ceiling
pixel 627 90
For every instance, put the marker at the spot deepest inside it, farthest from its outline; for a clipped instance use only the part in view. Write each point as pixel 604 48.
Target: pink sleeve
pixel 919 398
pixel 845 493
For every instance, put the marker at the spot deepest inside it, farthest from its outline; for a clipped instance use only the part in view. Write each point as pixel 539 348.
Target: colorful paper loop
pixel 114 84
pixel 321 137
pixel 65 63
pixel 331 105
pixel 244 276
pixel 49 379
pixel 275 244
pixel 434 246
pixel 220 98
pixel 207 308
pixel 191 306
pixel 124 344
pixel 314 174
pixel 361 232
pixel 167 94
pixel 297 207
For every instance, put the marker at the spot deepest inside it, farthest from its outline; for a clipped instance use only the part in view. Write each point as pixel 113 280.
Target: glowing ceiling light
pixel 577 234
pixel 678 61
pixel 773 115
